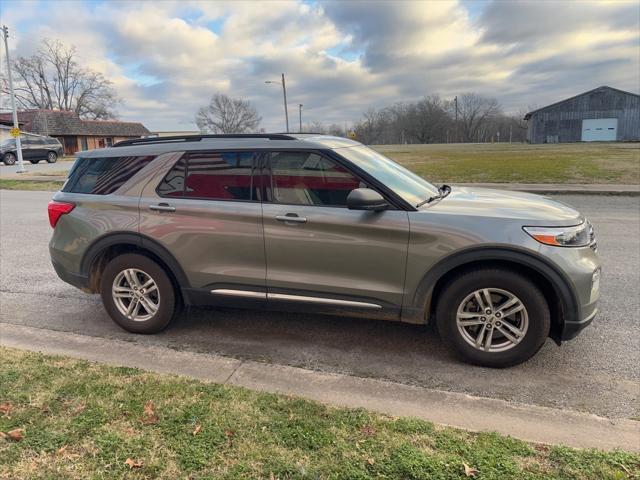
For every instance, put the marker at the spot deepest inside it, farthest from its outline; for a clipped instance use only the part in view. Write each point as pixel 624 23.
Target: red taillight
pixel 57 209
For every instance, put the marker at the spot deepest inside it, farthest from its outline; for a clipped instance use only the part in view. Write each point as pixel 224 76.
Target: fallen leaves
pixel 368 431
pixel 196 430
pixel 5 409
pixel 469 471
pixel 149 416
pixel 79 409
pixel 229 434
pixel 131 463
pixel 16 435
pixel 371 461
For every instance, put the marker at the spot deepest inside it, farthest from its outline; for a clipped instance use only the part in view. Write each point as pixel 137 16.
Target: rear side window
pixel 211 176
pixel 102 176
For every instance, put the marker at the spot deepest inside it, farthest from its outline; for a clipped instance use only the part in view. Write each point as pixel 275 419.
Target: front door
pixel 207 214
pixel 317 249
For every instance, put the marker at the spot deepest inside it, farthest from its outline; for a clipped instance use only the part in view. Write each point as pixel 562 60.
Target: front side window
pixel 307 178
pixel 411 187
pixel 212 176
pixel 102 176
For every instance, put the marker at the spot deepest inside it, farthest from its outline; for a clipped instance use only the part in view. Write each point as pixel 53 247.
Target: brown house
pixel 74 133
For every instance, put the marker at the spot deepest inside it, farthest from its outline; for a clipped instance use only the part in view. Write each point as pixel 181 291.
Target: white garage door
pixel 599 130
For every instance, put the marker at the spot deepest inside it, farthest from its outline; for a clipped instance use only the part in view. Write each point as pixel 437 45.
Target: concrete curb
pixel 530 423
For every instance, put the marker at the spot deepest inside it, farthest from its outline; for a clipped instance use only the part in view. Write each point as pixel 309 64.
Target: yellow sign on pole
pixel 14 132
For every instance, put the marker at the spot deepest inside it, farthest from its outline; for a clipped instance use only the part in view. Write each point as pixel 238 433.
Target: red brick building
pixel 74 133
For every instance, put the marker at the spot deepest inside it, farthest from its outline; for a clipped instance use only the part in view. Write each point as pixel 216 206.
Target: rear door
pixel 319 251
pixel 206 212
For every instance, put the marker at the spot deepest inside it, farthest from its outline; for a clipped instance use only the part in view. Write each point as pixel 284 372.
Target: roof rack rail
pixel 197 138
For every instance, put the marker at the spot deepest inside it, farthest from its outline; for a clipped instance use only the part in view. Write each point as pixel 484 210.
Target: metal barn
pixel 603 114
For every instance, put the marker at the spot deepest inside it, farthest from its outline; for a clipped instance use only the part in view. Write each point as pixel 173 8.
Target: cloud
pixel 167 58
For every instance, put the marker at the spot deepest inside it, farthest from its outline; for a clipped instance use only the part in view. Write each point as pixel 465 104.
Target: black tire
pixel 167 297
pixel 459 288
pixel 34 161
pixel 52 157
pixel 9 158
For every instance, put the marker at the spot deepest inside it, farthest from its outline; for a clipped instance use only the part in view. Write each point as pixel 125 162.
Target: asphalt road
pixel 598 372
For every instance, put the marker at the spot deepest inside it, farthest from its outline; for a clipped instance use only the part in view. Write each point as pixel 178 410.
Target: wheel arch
pixel 107 247
pixel 555 285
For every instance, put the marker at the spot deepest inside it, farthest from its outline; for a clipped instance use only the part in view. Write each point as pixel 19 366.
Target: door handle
pixel 291 218
pixel 162 207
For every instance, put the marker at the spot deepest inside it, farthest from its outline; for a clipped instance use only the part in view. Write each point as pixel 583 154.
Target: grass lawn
pixel 560 163
pixel 83 420
pixel 52 185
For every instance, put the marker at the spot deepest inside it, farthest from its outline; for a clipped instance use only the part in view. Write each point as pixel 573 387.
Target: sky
pixel 167 58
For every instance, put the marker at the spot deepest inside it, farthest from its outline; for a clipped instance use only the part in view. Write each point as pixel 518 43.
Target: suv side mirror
pixel 366 199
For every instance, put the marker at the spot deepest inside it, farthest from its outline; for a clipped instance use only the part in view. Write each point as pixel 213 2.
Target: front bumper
pixel 572 329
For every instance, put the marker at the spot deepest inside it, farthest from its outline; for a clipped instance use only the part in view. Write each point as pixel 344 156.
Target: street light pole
pixel 286 111
pixel 5 34
pixel 300 115
pixel 284 94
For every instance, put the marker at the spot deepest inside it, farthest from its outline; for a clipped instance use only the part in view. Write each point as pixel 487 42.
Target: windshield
pixel 7 141
pixel 411 187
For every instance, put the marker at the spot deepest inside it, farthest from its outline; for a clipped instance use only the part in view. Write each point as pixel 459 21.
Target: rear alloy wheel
pixel 9 159
pixel 52 157
pixel 138 294
pixel 493 317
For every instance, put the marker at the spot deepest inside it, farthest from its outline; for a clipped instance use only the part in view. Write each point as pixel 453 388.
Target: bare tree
pixel 428 120
pixel 474 112
pixel 53 79
pixel 228 115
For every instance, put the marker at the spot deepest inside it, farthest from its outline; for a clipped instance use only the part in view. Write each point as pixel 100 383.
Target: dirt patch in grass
pixel 83 420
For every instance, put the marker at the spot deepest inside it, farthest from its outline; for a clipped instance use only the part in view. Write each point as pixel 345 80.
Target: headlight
pixel 578 236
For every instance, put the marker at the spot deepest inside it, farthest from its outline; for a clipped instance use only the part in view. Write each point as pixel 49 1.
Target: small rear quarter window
pixel 102 176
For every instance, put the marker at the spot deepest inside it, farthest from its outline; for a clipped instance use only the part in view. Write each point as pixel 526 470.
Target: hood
pixel 485 202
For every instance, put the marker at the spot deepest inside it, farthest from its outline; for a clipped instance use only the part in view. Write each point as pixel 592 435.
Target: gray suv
pixel 34 149
pixel 320 224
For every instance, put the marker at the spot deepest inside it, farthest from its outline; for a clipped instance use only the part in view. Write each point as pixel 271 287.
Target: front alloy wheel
pixel 494 317
pixel 52 157
pixel 492 320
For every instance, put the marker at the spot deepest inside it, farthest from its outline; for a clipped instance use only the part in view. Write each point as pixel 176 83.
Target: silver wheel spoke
pixel 508 335
pixel 480 300
pixel 132 305
pixel 516 331
pixel 507 304
pixel 148 305
pixel 469 323
pixel 131 277
pixel 514 309
pixel 488 339
pixel 480 337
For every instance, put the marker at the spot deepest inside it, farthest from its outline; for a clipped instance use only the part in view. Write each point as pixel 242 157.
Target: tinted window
pixel 211 175
pixel 305 178
pixel 101 176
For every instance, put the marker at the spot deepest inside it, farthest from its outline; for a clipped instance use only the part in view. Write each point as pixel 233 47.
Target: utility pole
pixel 286 112
pixel 455 100
pixel 284 94
pixel 300 115
pixel 16 126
